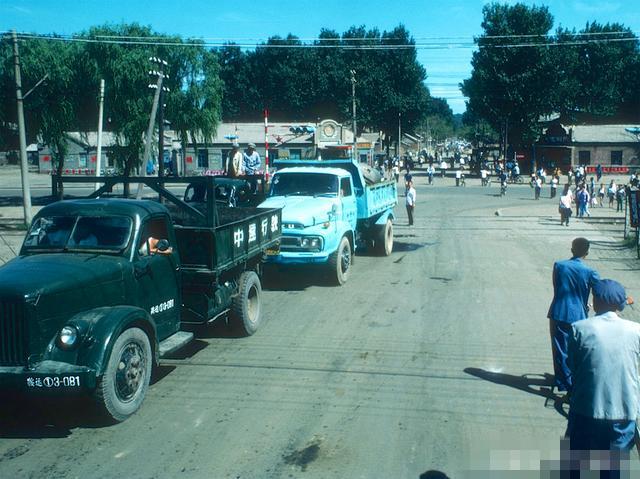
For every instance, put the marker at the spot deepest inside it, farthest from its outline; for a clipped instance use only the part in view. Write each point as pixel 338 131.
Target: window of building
pixel 295 153
pixel 203 158
pixel 584 157
pixel 82 162
pixel 616 157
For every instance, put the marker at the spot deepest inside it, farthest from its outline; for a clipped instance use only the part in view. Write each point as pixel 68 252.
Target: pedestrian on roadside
pixel 458 176
pixel 620 198
pixel 582 198
pixel 537 187
pixel 430 172
pixel 564 208
pixel 598 172
pixel 611 192
pixel 554 186
pixel 601 193
pixel 410 201
pixel 592 186
pixel 604 352
pixel 572 283
pixel 443 168
pixel 483 177
pixel 396 172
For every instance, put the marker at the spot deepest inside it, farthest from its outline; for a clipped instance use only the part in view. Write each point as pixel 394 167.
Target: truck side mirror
pixel 163 246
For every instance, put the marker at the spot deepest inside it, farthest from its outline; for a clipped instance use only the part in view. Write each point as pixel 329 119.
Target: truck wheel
pixel 384 239
pixel 340 262
pixel 246 309
pixel 126 378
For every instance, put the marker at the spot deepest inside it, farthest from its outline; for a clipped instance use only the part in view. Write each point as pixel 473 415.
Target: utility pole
pixel 24 167
pixel 99 148
pixel 147 144
pixel 353 99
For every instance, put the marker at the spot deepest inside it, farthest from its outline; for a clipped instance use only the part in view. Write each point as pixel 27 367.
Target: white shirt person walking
pixel 410 201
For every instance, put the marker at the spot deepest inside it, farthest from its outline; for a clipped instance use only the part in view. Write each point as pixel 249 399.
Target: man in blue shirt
pixel 603 355
pixel 251 160
pixel 572 283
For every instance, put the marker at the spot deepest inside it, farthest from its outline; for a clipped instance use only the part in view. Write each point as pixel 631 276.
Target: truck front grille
pixel 13 334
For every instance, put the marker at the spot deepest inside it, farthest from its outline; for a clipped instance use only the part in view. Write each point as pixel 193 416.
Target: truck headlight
pixel 68 337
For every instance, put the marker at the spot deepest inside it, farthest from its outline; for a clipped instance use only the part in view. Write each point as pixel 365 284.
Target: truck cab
pixel 328 212
pixel 101 288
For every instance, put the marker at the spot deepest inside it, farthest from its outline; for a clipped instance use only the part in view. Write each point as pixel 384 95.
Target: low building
pixel 616 147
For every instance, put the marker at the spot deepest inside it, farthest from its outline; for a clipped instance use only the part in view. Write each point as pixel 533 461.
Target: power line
pixel 378 46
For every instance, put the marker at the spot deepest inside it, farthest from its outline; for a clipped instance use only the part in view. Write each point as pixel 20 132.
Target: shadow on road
pixel 538 384
pixel 295 278
pixel 35 418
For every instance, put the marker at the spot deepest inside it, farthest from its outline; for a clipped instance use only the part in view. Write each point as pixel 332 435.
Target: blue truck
pixel 329 211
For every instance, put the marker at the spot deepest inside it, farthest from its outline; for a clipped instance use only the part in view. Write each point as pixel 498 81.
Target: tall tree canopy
pixel 299 81
pixel 512 72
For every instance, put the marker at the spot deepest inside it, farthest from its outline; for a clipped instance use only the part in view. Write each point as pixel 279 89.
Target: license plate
pixel 272 252
pixel 53 382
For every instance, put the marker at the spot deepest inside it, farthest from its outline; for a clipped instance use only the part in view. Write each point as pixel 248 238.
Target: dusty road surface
pixel 435 358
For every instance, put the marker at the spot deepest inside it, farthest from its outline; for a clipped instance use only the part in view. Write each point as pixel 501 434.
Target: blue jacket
pixel 572 283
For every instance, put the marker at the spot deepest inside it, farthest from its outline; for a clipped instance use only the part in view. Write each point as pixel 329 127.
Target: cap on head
pixel 580 247
pixel 235 144
pixel 251 145
pixel 610 292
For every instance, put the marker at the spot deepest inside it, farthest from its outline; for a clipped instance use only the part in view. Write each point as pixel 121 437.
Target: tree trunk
pixel 59 168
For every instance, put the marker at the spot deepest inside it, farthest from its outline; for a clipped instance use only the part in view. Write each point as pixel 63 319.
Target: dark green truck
pixel 103 287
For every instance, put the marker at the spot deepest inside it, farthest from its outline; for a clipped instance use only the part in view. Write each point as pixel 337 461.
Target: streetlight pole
pixel 99 148
pixel 353 100
pixel 24 167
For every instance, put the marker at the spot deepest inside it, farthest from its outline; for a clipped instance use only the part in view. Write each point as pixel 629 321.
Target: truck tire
pixel 340 262
pixel 384 239
pixel 246 308
pixel 126 378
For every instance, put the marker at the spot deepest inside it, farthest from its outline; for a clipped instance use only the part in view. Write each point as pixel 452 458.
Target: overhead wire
pixel 379 43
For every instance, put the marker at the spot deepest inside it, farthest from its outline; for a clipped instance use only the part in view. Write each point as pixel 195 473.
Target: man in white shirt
pixel 410 201
pixel 604 351
pixel 458 176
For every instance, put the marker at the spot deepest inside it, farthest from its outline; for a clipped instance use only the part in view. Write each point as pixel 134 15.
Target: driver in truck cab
pixel 150 247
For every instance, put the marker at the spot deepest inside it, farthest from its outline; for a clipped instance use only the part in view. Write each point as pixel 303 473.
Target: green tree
pixel 513 73
pixel 194 109
pixel 597 68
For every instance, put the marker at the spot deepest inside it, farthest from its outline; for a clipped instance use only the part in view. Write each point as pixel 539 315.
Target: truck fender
pixel 384 217
pixel 99 328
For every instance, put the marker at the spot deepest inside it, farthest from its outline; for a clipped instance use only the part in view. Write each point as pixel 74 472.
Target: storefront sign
pixel 609 169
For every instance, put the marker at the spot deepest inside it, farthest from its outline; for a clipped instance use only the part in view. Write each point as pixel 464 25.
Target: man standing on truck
pixel 235 161
pixel 410 201
pixel 251 160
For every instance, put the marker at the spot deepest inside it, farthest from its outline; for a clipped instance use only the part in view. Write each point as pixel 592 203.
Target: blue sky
pixel 444 22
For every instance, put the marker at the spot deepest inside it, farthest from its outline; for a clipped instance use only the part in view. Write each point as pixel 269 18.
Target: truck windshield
pixel 79 233
pixel 304 184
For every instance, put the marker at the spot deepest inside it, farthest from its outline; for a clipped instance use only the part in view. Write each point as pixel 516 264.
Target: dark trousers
pixel 560 332
pixel 553 192
pixel 565 214
pixel 608 442
pixel 537 192
pixel 410 209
